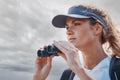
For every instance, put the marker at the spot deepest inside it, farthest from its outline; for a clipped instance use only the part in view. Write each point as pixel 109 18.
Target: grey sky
pixel 25 26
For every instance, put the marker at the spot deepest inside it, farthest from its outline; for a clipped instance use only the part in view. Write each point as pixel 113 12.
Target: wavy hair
pixel 111 36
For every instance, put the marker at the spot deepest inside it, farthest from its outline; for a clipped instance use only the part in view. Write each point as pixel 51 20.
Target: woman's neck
pixel 91 61
pixel 92 56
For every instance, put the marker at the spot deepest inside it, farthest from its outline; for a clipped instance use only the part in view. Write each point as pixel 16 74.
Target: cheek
pixel 85 31
pixel 82 33
pixel 84 36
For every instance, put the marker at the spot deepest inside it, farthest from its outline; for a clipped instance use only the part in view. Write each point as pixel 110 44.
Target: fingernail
pixel 55 41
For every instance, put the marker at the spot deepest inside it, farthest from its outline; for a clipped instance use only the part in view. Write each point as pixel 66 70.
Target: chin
pixel 76 45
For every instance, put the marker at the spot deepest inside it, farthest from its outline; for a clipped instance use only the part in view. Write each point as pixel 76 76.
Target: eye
pixel 66 27
pixel 77 24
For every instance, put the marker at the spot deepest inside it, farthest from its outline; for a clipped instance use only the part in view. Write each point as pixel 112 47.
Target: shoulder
pixel 67 75
pixel 114 70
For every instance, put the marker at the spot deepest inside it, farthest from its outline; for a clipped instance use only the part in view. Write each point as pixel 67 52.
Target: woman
pixel 88 29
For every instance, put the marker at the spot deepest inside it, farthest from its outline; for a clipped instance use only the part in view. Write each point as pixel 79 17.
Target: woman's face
pixel 79 32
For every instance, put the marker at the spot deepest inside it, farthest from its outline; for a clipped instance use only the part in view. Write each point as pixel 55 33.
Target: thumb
pixel 62 55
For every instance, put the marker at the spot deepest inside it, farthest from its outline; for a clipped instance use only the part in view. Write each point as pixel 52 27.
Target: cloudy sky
pixel 25 26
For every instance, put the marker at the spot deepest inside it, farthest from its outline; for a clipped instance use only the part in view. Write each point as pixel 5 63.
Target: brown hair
pixel 111 35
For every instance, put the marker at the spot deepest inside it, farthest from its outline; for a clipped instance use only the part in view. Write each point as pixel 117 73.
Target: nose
pixel 69 31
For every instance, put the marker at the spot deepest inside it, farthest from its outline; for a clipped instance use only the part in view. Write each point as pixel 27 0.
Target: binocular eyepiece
pixel 48 51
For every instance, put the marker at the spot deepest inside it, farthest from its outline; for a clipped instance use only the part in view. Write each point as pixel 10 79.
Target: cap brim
pixel 60 20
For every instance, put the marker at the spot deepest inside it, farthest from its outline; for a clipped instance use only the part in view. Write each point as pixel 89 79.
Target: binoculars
pixel 48 51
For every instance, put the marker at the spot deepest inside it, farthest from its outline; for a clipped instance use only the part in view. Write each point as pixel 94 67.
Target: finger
pixel 38 63
pixel 60 47
pixel 68 46
pixel 64 48
pixel 38 59
pixel 44 60
pixel 50 58
pixel 49 61
pixel 69 52
pixel 41 60
pixel 64 44
pixel 62 55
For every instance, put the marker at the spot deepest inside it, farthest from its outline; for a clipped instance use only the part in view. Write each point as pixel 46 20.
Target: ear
pixel 97 29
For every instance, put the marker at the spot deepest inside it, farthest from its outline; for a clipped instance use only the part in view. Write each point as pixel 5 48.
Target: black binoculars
pixel 48 51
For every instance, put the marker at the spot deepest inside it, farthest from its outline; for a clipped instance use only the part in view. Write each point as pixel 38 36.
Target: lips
pixel 71 39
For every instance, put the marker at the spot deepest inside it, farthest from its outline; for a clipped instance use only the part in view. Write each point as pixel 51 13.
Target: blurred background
pixel 25 26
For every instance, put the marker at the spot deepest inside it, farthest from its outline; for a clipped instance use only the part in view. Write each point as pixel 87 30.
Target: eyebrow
pixel 72 21
pixel 76 20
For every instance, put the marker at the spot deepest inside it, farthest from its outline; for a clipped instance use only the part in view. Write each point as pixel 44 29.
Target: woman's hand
pixel 43 67
pixel 70 54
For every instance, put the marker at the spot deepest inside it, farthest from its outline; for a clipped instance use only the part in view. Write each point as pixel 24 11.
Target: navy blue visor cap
pixel 59 21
